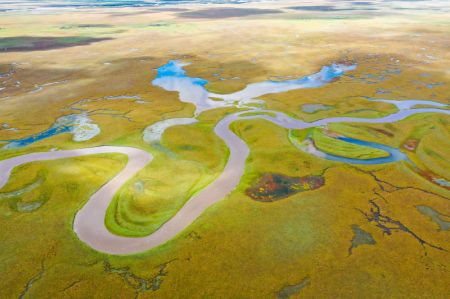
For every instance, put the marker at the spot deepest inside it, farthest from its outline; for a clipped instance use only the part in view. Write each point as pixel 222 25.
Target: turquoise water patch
pixel 79 125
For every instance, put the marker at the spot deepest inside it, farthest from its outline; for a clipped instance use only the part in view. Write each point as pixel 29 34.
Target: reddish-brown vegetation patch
pixel 387 133
pixel 433 178
pixel 273 187
pixel 411 144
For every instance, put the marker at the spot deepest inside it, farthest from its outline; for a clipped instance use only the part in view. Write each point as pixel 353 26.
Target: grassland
pixel 238 248
pixel 341 148
pixel 295 245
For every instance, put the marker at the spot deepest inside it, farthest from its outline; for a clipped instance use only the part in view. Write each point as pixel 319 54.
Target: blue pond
pixel 38 137
pixel 175 69
pixel 79 125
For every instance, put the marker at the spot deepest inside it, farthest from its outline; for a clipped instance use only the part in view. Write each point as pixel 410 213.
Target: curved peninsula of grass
pixel 338 147
pixel 126 216
pixel 179 171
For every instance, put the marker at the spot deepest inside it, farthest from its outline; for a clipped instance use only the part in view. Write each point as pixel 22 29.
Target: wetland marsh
pixel 154 149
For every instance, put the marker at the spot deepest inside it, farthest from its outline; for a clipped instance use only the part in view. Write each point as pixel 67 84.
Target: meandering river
pixel 89 224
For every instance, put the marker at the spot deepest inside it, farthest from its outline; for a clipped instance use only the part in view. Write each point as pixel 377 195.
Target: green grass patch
pixel 341 148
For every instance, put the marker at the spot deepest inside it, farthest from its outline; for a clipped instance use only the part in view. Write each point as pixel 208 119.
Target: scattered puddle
pixel 7 127
pixel 23 190
pixel 291 290
pixel 442 182
pixel 139 186
pixel 313 108
pixel 379 75
pixel 360 237
pixel 13 198
pixel 437 217
pixel 27 207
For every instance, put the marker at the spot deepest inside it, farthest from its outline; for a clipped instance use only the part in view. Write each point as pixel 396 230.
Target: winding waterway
pixel 89 224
